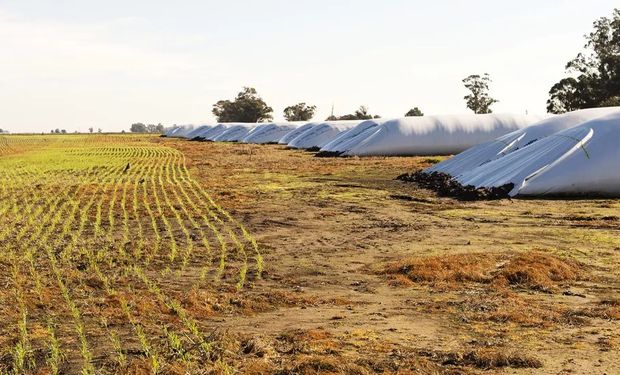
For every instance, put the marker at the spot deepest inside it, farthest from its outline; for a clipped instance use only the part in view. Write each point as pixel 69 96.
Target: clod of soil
pixel 328 154
pixel 446 186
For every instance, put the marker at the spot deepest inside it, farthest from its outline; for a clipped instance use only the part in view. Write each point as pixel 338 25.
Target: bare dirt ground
pixel 365 274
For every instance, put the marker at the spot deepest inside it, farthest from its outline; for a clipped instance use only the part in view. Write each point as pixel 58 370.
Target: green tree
pixel 611 102
pixel 247 107
pixel 594 79
pixel 479 100
pixel 299 112
pixel 360 114
pixel 415 112
pixel 138 128
pixel 159 128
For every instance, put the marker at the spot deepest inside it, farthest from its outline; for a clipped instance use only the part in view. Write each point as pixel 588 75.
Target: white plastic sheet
pixel 321 134
pixel 296 132
pixel 579 160
pixel 438 135
pixel 235 132
pixel 215 131
pixel 194 133
pixel 181 131
pixel 508 143
pixel 350 138
pixel 269 133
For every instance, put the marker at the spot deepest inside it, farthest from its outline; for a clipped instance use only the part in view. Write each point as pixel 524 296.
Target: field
pixel 128 254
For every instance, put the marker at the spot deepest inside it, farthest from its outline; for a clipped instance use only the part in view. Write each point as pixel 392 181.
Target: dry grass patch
pixel 491 359
pixel 506 306
pixel 540 271
pixel 449 269
pixel 491 284
pixel 314 341
pixel 604 309
pixel 530 270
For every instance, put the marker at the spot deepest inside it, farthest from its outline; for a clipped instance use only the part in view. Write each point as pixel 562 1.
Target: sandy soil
pixel 367 274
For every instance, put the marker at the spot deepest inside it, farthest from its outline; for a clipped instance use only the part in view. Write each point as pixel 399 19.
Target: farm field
pixel 138 254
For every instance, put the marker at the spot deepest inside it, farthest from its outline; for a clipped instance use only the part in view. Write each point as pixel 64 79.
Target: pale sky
pixel 73 64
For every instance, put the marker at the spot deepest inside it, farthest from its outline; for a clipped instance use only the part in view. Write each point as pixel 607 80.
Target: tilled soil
pixel 365 273
pixel 446 186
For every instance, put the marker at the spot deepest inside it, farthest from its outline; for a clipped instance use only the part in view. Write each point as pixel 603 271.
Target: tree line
pixel 248 106
pixel 139 127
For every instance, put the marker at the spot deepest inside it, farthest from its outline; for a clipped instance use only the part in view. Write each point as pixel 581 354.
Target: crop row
pixel 98 242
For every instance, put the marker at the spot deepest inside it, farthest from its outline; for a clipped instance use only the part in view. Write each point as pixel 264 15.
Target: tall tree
pixel 594 75
pixel 479 100
pixel 414 112
pixel 247 107
pixel 299 112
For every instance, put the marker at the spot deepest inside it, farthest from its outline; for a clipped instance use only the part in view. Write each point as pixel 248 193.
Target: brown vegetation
pixel 540 271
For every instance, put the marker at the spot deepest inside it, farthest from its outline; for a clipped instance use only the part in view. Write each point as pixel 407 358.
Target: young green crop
pixel 100 232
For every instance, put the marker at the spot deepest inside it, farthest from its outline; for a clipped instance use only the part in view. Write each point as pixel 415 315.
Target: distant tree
pixel 415 112
pixel 91 129
pixel 611 102
pixel 159 128
pixel 479 100
pixel 138 128
pixel 63 131
pixel 347 117
pixel 594 79
pixel 99 130
pixel 360 114
pixel 299 112
pixel 150 128
pixel 247 107
pixel 57 131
